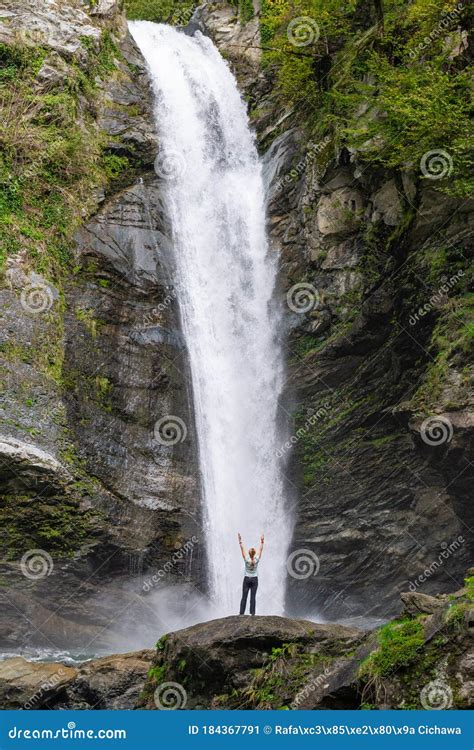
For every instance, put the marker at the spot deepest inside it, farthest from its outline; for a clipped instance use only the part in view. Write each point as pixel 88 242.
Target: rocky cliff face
pixel 383 431
pixel 94 484
pixel 375 277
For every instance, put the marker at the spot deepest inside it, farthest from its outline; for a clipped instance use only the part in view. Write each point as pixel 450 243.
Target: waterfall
pixel 225 276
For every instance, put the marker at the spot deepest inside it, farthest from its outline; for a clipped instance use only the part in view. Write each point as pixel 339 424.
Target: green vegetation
pixel 54 524
pixel 451 344
pixel 405 662
pixel 469 583
pixel 404 656
pixel 281 679
pixel 161 11
pixel 399 643
pixel 53 156
pixel 458 611
pixel 48 164
pixel 317 447
pixel 114 165
pixel 246 10
pixel 91 387
pixel 157 674
pixel 306 344
pixel 54 161
pixel 178 12
pixel 368 77
pixel 86 316
pixel 381 441
pixel 102 56
pixel 160 646
pixel 45 350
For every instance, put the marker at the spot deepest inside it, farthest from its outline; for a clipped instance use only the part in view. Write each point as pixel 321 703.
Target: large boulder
pixel 211 661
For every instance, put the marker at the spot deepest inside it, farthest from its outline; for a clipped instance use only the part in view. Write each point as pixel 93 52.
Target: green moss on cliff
pixel 53 523
pixel 451 348
pixel 54 157
pixel 407 661
pixel 44 351
pixel 47 168
pixel 399 642
pixel 469 583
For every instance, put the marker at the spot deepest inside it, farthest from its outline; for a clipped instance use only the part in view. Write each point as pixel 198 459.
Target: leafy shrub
pixel 161 11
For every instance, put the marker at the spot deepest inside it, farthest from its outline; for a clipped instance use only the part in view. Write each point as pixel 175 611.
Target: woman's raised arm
pixel 242 548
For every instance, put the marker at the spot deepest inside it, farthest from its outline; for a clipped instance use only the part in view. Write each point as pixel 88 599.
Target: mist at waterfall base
pixel 212 186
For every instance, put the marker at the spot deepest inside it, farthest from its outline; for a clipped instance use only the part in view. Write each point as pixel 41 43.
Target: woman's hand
pixel 262 539
pixel 240 538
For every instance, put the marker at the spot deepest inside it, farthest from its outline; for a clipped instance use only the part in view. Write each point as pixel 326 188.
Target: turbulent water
pixel 225 278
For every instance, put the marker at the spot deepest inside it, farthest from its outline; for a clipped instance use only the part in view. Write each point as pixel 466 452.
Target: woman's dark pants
pixel 250 584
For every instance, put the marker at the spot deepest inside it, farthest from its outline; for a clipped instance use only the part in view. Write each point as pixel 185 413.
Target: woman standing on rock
pixel 250 575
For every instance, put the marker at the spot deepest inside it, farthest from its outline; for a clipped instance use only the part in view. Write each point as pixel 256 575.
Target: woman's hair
pixel 252 563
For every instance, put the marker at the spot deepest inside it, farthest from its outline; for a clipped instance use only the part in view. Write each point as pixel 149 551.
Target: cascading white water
pixel 225 275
